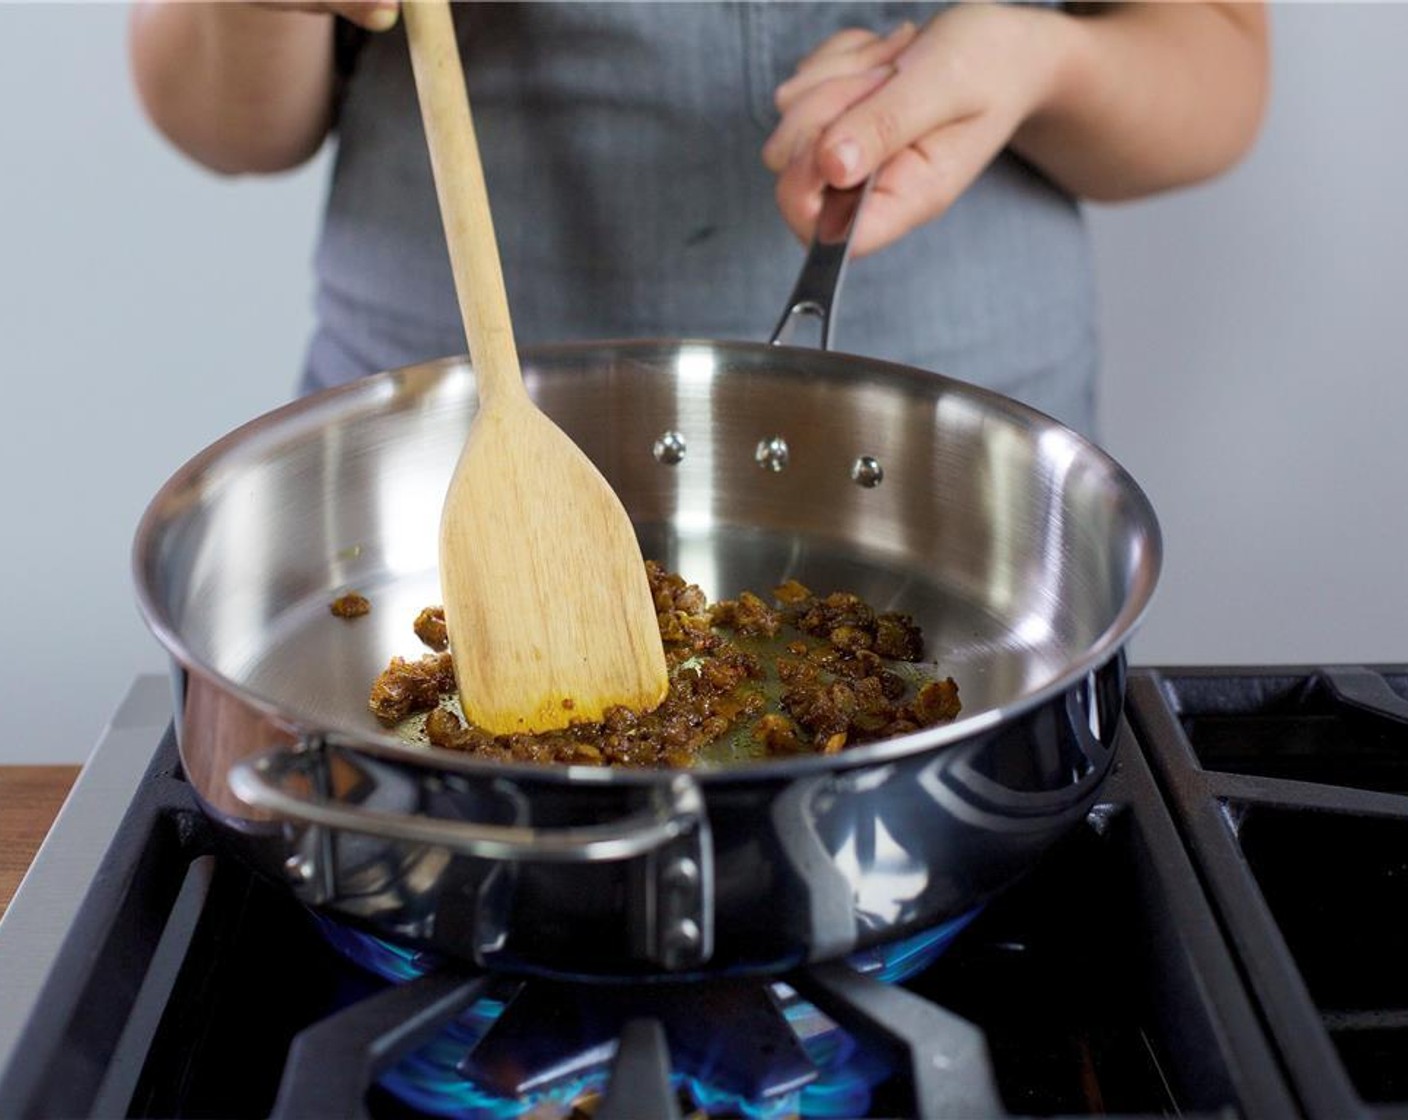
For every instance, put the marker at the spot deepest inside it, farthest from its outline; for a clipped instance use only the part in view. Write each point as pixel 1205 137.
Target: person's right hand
pixel 374 15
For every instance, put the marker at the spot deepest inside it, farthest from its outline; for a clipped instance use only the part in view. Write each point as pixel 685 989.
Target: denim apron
pixel 621 148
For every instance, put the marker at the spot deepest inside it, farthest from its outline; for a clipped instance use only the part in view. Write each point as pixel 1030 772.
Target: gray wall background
pixel 1254 329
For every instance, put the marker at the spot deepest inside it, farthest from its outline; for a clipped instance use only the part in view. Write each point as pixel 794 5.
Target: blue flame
pixel 715 1101
pixel 899 960
pixel 390 961
pixel 430 1080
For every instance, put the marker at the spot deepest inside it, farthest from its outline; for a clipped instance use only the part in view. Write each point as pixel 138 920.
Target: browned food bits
pixel 748 615
pixel 897 637
pixel 937 701
pixel 784 694
pixel 445 729
pixel 779 735
pixel 350 605
pixel 406 687
pixel 791 592
pixel 430 628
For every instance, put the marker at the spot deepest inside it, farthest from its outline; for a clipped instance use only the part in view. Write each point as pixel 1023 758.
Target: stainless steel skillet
pixel 1026 553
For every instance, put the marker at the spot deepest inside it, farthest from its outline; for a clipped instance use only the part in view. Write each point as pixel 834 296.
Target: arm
pixel 241 87
pixel 1119 104
pixel 1151 96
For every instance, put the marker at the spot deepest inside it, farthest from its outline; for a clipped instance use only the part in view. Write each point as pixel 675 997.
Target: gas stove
pixel 1225 936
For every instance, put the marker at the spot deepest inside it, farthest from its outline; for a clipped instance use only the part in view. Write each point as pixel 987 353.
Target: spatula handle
pixel 464 199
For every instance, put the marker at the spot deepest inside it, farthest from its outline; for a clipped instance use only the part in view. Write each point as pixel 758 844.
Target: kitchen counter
pixel 30 798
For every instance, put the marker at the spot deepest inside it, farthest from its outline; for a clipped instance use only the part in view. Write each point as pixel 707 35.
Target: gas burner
pixel 726 1047
pixel 444 1044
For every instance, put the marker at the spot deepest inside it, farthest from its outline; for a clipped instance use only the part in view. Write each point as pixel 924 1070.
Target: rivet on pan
pixel 684 937
pixel 681 875
pixel 771 454
pixel 669 449
pixel 299 868
pixel 867 472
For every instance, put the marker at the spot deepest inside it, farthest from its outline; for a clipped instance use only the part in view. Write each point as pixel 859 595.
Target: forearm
pixel 238 88
pixel 1149 96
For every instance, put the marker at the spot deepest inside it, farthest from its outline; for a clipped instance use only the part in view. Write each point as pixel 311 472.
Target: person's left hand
pixel 926 112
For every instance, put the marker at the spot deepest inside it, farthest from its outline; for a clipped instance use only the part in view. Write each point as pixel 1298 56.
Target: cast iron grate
pixel 1098 984
pixel 1291 786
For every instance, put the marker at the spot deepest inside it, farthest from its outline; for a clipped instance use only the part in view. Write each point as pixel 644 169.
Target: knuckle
pixel 883 124
pixel 853 37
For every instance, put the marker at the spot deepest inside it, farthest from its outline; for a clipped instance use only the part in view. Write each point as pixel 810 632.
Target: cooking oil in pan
pixel 743 741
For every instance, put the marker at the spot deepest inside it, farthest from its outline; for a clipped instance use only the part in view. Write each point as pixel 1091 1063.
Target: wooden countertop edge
pixel 30 799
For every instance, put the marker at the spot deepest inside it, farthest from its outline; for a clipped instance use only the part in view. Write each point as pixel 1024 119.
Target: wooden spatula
pixel 546 599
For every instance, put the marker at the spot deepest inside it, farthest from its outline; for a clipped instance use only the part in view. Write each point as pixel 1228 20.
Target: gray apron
pixel 621 147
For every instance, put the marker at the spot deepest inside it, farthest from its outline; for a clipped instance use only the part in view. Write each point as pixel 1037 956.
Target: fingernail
pixel 847 154
pixel 382 17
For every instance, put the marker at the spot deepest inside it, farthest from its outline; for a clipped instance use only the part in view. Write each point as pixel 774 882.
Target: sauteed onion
pixel 805 674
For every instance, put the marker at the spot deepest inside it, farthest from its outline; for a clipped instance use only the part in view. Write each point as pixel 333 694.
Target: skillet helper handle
pixel 676 808
pixel 667 847
pixel 819 284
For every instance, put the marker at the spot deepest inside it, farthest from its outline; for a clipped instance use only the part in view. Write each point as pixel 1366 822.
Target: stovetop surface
pixel 1224 936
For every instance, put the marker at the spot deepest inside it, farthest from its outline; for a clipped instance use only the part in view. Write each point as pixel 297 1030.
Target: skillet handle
pixel 819 284
pixel 676 808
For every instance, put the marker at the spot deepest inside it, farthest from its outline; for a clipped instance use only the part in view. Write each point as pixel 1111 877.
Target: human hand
pixel 374 15
pixel 924 111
